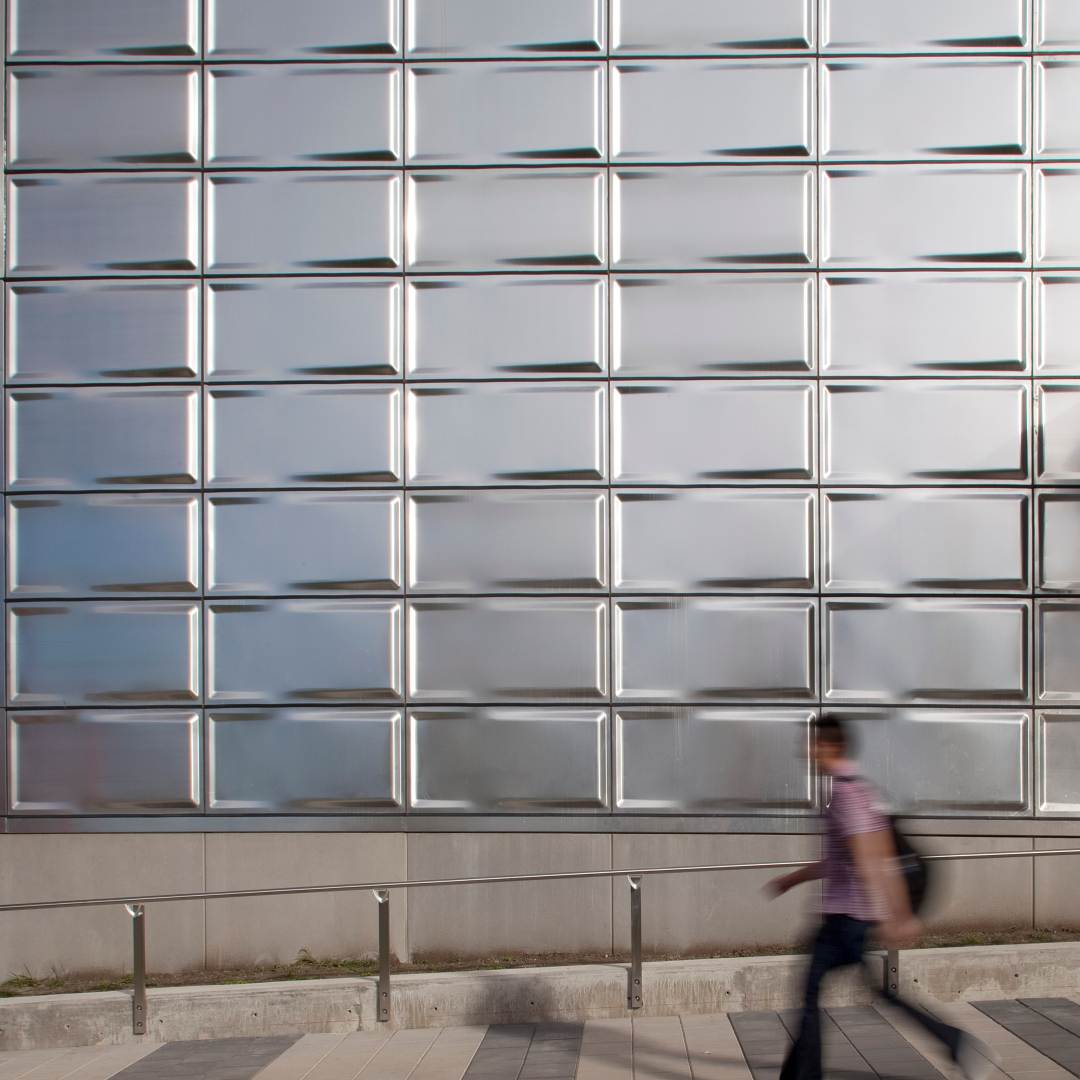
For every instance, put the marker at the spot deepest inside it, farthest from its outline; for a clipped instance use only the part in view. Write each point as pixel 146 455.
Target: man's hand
pixel 900 933
pixel 779 885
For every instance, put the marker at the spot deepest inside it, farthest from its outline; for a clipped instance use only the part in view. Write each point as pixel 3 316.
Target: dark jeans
pixel 840 943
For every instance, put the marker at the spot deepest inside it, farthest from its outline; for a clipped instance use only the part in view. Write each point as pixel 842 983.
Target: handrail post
pixel 383 897
pixel 138 967
pixel 633 993
pixel 892 972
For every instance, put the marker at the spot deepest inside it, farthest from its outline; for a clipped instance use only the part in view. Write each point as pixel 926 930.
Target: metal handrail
pixel 136 908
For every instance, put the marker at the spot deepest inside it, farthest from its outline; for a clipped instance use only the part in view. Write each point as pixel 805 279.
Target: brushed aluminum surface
pixel 967 431
pixel 315 29
pixel 499 219
pixel 899 216
pixel 702 760
pixel 969 762
pixel 667 110
pixel 915 540
pixel 94 224
pixel 266 652
pixel 507 541
pixel 506 326
pixel 699 218
pixel 1058 631
pixel 103 545
pixel 702 432
pixel 1057 25
pixel 927 650
pixel 295 542
pixel 102 331
pixel 302 114
pixel 505 113
pixel 303 328
pixel 508 760
pixel 297 760
pixel 105 762
pixel 712 324
pixel 713 539
pixel 1057 130
pixel 103 117
pixel 693 27
pixel 1057 769
pixel 913 323
pixel 924 25
pixel 108 652
pixel 511 28
pixel 688 649
pixel 1057 215
pixel 1057 324
pixel 302 222
pixel 1057 407
pixel 1058 533
pixel 491 433
pixel 102 437
pixel 103 29
pixel 336 435
pixel 911 109
pixel 496 649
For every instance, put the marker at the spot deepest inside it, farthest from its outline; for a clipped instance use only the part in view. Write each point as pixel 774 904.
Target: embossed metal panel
pixel 927 650
pixel 1057 129
pixel 285 30
pixel 666 110
pixel 297 760
pixel 104 762
pixel 916 215
pixel 103 653
pixel 94 117
pixel 923 25
pixel 303 114
pixel 302 222
pixel 966 431
pixel 506 434
pixel 1058 411
pixel 102 331
pixel 317 651
pixel 90 225
pixel 522 28
pixel 1058 531
pixel 924 324
pixel 715 649
pixel 712 324
pixel 1058 763
pixel 517 760
pixel 1057 25
pixel 496 219
pixel 1057 324
pixel 911 540
pixel 508 649
pixel 277 543
pixel 505 113
pixel 968 762
pixel 97 545
pixel 697 218
pixel 692 27
pixel 506 326
pixel 1059 648
pixel 103 29
pixel 63 440
pixel 263 329
pixel 337 435
pixel 1057 215
pixel 900 110
pixel 700 760
pixel 487 541
pixel 685 432
pixel 690 541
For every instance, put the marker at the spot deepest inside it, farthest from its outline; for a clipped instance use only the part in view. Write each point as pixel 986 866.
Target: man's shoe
pixel 975 1058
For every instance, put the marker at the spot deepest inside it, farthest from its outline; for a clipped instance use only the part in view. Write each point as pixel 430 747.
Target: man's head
pixel 830 743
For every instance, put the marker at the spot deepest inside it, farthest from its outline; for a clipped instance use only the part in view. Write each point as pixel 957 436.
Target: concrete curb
pixel 585 992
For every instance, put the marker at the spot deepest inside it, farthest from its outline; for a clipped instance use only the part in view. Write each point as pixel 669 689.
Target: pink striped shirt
pixel 852 810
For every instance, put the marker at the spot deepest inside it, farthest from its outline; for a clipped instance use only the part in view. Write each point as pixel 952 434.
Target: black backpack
pixel 914 869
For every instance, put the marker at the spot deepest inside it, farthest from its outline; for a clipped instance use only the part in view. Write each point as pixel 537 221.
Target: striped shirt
pixel 852 810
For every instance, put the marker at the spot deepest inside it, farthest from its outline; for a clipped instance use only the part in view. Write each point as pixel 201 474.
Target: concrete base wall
pixel 681 914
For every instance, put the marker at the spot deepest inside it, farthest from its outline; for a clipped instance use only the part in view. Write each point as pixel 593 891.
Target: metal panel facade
pixel 506 407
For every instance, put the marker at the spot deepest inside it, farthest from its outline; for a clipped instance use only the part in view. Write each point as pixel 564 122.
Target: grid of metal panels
pixel 500 407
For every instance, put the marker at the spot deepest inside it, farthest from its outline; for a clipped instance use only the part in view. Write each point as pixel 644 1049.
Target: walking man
pixel 862 891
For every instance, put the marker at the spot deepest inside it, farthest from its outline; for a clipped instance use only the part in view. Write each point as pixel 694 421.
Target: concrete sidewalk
pixel 1033 1039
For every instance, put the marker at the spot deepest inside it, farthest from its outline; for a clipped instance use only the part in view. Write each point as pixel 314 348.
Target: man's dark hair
pixel 832 730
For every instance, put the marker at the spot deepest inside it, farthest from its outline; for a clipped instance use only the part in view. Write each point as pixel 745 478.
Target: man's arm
pixel 812 872
pixel 875 862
